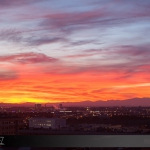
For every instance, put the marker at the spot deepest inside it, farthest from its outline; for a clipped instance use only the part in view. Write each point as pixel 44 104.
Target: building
pixel 60 106
pixel 10 125
pixel 1 109
pixel 47 123
pixel 37 106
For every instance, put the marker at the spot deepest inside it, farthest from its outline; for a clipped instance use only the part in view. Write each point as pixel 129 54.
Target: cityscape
pixel 74 67
pixel 49 120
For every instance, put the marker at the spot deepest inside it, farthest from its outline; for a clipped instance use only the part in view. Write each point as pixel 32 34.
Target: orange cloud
pixel 54 81
pixel 63 88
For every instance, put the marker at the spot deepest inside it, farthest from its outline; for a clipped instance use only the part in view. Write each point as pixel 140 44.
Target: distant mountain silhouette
pixel 128 102
pixel 99 103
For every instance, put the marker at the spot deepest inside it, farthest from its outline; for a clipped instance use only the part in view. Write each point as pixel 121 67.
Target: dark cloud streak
pixel 27 58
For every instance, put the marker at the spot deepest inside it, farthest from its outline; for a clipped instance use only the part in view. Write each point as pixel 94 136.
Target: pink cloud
pixel 8 74
pixel 15 3
pixel 27 58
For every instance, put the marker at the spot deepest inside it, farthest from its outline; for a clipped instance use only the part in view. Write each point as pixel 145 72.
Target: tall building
pixel 47 123
pixel 37 106
pixel 10 125
pixel 1 109
pixel 60 106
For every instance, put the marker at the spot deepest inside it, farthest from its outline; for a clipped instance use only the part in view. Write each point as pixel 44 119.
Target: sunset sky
pixel 74 50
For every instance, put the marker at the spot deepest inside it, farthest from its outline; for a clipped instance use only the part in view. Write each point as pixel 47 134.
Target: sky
pixel 74 50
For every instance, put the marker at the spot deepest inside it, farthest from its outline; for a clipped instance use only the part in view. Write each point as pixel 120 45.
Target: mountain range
pixel 109 103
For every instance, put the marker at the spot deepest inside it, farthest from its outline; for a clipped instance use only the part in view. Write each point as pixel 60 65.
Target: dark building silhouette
pixel 10 125
pixel 37 106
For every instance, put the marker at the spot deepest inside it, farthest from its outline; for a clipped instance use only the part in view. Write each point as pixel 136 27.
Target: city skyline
pixel 62 51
